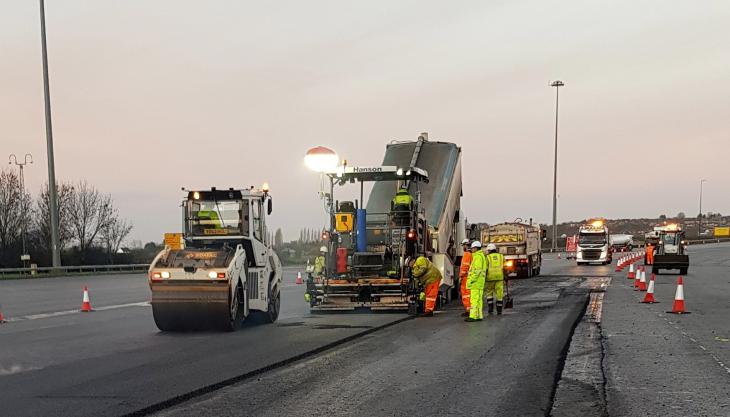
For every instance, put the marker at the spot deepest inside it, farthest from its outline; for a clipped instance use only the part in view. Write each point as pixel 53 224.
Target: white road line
pixel 69 312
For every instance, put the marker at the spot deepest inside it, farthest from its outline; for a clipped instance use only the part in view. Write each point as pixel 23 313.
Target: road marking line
pixel 69 312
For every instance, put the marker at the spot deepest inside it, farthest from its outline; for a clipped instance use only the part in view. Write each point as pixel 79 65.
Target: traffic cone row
pixel 299 280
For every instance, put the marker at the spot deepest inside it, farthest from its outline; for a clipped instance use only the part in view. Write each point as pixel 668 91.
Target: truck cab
pixel 594 246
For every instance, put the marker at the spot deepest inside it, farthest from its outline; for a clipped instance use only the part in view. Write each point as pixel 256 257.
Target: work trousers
pixel 495 287
pixel 465 294
pixel 476 303
pixel 432 292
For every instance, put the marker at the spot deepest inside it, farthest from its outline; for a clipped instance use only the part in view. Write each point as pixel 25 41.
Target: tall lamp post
pixel 52 193
pixel 28 159
pixel 699 221
pixel 557 84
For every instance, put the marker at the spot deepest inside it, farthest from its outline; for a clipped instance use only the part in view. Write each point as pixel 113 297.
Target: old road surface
pixel 56 361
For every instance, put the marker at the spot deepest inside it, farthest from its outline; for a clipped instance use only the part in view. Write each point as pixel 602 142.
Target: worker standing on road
pixel 430 278
pixel 464 277
pixel 320 262
pixel 649 254
pixel 475 282
pixel 495 278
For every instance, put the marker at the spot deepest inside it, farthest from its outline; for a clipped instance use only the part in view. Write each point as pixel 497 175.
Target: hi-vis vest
pixel 402 198
pixel 495 271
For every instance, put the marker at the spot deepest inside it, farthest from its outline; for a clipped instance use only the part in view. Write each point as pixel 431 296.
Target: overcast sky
pixel 149 96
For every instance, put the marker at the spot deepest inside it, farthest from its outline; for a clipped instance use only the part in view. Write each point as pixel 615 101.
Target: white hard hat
pixel 491 246
pixel 465 242
pixel 323 249
pixel 476 244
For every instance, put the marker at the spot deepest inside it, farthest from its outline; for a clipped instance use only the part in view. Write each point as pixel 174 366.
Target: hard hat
pixel 476 244
pixel 491 246
pixel 323 249
pixel 465 242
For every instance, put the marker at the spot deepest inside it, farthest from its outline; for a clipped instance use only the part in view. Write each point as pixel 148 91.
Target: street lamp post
pixel 52 193
pixel 557 84
pixel 699 220
pixel 28 159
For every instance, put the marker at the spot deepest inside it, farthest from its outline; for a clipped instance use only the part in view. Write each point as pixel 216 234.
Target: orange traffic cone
pixel 642 281
pixel 678 307
pixel 86 304
pixel 649 297
pixel 637 278
pixel 632 274
pixel 559 256
pixel 2 319
pixel 299 278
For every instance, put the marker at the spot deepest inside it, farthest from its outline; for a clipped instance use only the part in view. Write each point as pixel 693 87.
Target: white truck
pixel 594 246
pixel 224 270
pixel 519 243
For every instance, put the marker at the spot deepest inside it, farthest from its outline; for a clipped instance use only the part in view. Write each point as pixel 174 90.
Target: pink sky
pixel 152 96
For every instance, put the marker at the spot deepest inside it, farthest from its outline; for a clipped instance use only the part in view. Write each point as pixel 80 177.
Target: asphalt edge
pixel 179 399
pixel 568 401
pixel 564 355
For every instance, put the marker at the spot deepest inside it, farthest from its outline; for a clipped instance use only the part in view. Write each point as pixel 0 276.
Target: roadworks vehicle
pixel 519 242
pixel 670 252
pixel 622 242
pixel 593 243
pixel 368 246
pixel 223 270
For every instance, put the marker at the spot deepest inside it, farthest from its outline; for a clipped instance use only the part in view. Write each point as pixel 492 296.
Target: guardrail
pixel 49 271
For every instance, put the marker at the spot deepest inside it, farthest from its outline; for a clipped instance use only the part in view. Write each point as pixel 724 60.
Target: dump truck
pixel 593 243
pixel 519 242
pixel 369 243
pixel 670 252
pixel 224 269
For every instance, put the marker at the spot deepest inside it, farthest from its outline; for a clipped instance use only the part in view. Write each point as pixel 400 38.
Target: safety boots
pixel 490 307
pixel 499 307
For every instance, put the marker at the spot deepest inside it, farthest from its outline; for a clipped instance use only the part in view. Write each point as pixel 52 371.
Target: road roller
pixel 222 269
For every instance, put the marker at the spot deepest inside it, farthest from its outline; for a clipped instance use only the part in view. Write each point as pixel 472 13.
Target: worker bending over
pixel 430 278
pixel 464 277
pixel 495 278
pixel 475 282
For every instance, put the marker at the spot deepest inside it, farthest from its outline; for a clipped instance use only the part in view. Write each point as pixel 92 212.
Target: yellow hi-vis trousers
pixel 495 286
pixel 476 300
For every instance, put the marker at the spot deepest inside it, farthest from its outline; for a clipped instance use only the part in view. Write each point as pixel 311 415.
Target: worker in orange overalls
pixel 430 278
pixel 464 276
pixel 649 254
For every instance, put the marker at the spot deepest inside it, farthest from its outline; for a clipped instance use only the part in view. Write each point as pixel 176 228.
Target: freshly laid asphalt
pixel 55 361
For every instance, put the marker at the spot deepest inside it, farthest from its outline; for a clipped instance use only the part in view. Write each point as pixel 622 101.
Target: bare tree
pixel 90 212
pixel 42 215
pixel 279 239
pixel 114 233
pixel 11 208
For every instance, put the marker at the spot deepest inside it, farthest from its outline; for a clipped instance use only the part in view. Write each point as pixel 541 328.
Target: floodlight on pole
pixel 321 159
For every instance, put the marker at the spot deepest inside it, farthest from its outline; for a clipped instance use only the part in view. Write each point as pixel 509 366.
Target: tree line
pixel 90 227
